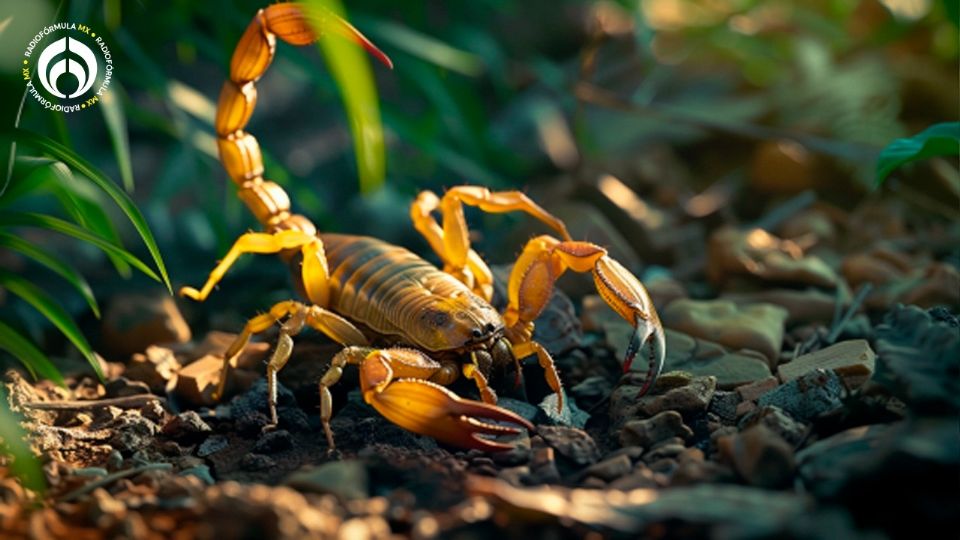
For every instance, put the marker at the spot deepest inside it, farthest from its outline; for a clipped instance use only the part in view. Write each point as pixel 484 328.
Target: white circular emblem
pixel 73 67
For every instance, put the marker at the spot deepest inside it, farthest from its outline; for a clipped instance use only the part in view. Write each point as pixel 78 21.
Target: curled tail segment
pixel 239 150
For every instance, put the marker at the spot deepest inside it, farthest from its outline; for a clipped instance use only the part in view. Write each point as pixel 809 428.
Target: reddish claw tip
pixel 647 336
pixel 350 32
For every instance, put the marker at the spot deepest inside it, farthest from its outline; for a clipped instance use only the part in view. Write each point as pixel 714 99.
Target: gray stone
pixel 569 414
pixel 694 396
pixel 758 327
pixel 345 479
pixel 610 469
pixel 185 426
pixel 759 456
pixel 724 405
pixel 572 443
pixel 648 432
pixel 778 421
pixel 807 397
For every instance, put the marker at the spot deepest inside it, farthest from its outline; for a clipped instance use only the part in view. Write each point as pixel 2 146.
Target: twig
pixel 110 478
pixel 854 306
pixel 125 402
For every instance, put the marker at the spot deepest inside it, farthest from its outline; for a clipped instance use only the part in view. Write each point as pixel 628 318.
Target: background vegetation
pixel 500 93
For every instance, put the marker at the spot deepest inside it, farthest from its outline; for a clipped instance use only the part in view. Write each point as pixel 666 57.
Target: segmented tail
pixel 239 150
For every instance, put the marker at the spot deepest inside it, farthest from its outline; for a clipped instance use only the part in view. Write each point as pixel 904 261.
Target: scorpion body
pixel 438 325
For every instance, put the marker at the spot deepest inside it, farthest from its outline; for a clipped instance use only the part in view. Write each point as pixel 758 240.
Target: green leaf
pixel 122 199
pixel 25 465
pixel 28 354
pixel 350 68
pixel 85 209
pixel 117 127
pixel 937 140
pixel 43 303
pixel 28 219
pixel 42 257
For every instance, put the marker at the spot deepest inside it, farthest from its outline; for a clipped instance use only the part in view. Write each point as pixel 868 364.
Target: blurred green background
pixel 670 98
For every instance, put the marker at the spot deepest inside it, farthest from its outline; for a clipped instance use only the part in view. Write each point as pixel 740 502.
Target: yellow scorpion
pixel 438 325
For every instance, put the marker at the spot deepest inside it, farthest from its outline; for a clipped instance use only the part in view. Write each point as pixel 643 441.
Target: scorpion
pixel 437 325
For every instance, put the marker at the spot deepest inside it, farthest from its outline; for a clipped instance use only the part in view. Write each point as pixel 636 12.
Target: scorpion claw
pixel 648 338
pixel 430 409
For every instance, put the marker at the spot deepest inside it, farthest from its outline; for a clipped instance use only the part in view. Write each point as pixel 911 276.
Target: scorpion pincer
pixel 438 325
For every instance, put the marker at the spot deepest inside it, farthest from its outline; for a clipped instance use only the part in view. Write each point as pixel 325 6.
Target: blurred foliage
pixel 935 141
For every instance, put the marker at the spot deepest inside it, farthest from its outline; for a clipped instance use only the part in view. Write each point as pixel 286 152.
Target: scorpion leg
pixel 279 358
pixel 263 243
pixel 452 242
pixel 475 273
pixel 393 381
pixel 545 259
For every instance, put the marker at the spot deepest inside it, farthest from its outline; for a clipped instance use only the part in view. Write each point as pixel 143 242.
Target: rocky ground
pixel 809 392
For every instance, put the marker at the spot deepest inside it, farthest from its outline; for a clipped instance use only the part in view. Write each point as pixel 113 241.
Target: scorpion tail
pixel 239 150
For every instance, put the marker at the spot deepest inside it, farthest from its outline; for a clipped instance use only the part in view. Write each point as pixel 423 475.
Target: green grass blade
pixel 86 211
pixel 116 122
pixel 424 47
pixel 46 305
pixel 56 265
pixel 350 68
pixel 25 465
pixel 28 219
pixel 35 361
pixel 122 199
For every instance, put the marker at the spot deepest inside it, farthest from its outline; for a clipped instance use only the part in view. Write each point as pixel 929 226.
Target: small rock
pixel 346 479
pixel 216 343
pixel 157 367
pixel 185 426
pixel 592 389
pixel 803 307
pixel 200 471
pixel 665 451
pixel 133 322
pixel 543 467
pixel 257 462
pixel 213 444
pixel 197 382
pixel 526 410
pixel 745 407
pixel 571 443
pixel 592 482
pixel 610 469
pixel 701 357
pixel 752 391
pixel 853 360
pixel 519 454
pixel 808 396
pixel 153 411
pixel 640 477
pixel 690 398
pixel 122 387
pixel 760 456
pixel 648 432
pixel 724 405
pixel 757 253
pixel 569 415
pixel 273 441
pixel 919 358
pixel 776 420
pixel 758 327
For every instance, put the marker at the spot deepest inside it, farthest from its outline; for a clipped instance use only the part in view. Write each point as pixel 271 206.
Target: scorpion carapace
pixel 439 323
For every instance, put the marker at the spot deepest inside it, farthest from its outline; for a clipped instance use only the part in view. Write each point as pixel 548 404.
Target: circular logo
pixel 67 67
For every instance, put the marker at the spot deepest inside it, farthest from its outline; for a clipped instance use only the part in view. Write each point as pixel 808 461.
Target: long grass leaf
pixel 72 277
pixel 35 361
pixel 49 308
pixel 81 165
pixel 29 219
pixel 25 465
pixel 351 69
pixel 86 211
pixel 116 121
